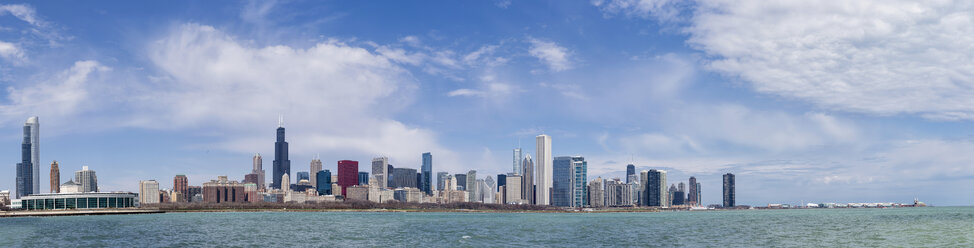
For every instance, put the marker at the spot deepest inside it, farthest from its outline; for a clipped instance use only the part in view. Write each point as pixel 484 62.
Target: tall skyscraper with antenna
pixel 517 160
pixel 282 165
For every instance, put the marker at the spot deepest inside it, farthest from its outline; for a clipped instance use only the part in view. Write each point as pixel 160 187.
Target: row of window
pixel 75 203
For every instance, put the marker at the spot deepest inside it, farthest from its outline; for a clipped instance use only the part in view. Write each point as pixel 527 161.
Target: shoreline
pixel 51 213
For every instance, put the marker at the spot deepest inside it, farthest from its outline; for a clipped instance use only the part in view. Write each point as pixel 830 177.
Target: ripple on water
pixel 941 226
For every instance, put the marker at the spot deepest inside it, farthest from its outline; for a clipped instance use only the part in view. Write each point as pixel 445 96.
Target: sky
pixel 804 101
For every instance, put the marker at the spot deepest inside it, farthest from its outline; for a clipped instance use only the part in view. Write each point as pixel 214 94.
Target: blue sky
pixel 815 101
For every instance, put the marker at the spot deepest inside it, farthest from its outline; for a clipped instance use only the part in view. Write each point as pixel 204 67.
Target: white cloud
pixel 557 58
pixel 338 97
pixel 21 11
pixel 10 51
pixel 490 90
pixel 881 57
pixel 411 40
pixel 662 9
pixel 876 57
pixel 66 94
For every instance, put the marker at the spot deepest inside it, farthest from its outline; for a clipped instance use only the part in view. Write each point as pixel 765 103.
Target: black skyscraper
pixel 282 165
pixel 25 172
pixel 729 190
pixel 461 180
pixel 630 173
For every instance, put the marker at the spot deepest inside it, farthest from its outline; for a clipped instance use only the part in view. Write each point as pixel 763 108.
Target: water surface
pixel 910 227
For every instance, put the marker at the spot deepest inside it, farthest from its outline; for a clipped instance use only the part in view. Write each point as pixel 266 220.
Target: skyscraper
pixel 441 180
pixel 363 178
pixel 699 195
pixel 28 170
pixel 323 178
pixel 347 174
pixel 148 192
pixel 561 190
pixel 259 170
pixel 282 165
pixel 315 168
pixel 87 179
pixel 513 190
pixel 630 173
pixel 181 184
pixel 501 181
pixel 544 173
pixel 618 194
pixel 426 182
pixel 35 151
pixel 655 189
pixel 487 190
pixel 286 187
pixel 729 196
pixel 55 178
pixel 403 178
pixel 680 197
pixel 380 169
pixel 527 180
pixel 692 199
pixel 461 181
pixel 517 161
pixel 472 185
pixel 579 177
pixel 596 192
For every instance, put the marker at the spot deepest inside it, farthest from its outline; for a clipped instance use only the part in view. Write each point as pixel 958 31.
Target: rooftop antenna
pixel 280 121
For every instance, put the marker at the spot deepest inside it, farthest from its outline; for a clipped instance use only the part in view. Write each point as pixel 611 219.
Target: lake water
pixel 900 227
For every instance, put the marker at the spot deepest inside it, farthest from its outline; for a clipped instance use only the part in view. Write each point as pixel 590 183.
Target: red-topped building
pixel 347 174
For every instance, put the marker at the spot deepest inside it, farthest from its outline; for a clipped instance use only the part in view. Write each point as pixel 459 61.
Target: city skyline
pixel 193 89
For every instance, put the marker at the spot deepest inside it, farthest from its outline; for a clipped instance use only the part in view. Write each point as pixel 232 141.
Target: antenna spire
pixel 280 121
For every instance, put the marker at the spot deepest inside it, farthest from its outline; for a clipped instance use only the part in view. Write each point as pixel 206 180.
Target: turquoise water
pixel 902 227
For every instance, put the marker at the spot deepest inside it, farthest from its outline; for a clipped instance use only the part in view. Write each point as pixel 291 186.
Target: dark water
pixel 903 227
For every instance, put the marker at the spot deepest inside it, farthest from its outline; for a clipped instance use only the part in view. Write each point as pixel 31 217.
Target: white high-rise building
pixel 544 172
pixel 513 190
pixel 87 179
pixel 285 183
pixel 35 151
pixel 596 193
pixel 259 170
pixel 486 191
pixel 148 192
pixel 380 167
